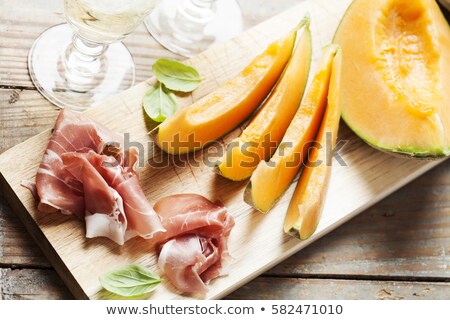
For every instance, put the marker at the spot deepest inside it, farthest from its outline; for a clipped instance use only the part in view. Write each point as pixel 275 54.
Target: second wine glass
pixel 188 27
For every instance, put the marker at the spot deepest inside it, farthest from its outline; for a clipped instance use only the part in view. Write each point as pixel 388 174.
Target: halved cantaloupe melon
pixel 271 179
pixel 260 139
pixel 308 200
pixel 396 78
pixel 221 111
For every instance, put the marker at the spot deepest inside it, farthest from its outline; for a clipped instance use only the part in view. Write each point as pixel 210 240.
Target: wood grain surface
pixel 28 284
pixel 404 238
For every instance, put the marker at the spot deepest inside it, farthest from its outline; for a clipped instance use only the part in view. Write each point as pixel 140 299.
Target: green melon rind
pixel 409 152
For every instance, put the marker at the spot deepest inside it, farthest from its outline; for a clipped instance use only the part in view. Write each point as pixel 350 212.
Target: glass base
pixel 186 28
pixel 68 89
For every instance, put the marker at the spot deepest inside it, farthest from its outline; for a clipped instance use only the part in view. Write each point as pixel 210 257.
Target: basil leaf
pixel 159 103
pixel 176 75
pixel 131 281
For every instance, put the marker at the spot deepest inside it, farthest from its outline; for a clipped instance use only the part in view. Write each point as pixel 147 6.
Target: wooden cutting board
pixel 257 242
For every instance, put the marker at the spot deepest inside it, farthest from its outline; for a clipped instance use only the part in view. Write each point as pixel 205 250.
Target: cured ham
pixel 116 206
pixel 186 260
pixel 194 249
pixel 56 187
pixel 86 172
pixel 82 173
pixel 104 211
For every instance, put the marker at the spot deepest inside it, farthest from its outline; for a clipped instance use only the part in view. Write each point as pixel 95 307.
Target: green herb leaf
pixel 159 103
pixel 131 281
pixel 176 75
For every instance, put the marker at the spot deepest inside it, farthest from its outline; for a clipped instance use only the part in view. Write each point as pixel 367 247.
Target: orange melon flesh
pixel 271 179
pixel 262 136
pixel 209 118
pixel 308 200
pixel 397 75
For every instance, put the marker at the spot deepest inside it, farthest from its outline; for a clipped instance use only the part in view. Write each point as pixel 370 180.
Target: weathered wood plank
pixel 33 284
pixel 17 249
pixel 45 284
pixel 23 113
pixel 330 289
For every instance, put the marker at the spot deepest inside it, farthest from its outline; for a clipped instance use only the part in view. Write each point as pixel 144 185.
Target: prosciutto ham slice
pixel 116 206
pixel 86 172
pixel 190 262
pixel 194 248
pixel 56 187
pixel 82 173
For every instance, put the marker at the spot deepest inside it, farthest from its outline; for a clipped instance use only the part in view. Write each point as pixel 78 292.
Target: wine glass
pixel 82 62
pixel 188 27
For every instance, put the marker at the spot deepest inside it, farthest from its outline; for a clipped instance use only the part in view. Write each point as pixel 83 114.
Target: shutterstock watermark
pixel 214 152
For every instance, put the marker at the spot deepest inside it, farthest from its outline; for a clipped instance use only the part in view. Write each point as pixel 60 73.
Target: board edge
pixel 41 240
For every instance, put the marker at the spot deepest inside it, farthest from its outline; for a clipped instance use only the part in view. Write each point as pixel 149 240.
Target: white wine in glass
pixel 82 62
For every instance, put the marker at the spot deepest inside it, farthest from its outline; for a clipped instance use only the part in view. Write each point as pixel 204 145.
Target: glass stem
pixel 203 3
pixel 195 13
pixel 83 60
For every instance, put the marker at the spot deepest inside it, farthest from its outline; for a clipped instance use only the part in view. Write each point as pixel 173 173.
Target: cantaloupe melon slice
pixel 271 179
pixel 221 111
pixel 396 75
pixel 261 137
pixel 308 200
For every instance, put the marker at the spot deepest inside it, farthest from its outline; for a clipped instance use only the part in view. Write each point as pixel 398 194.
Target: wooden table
pixel 398 249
